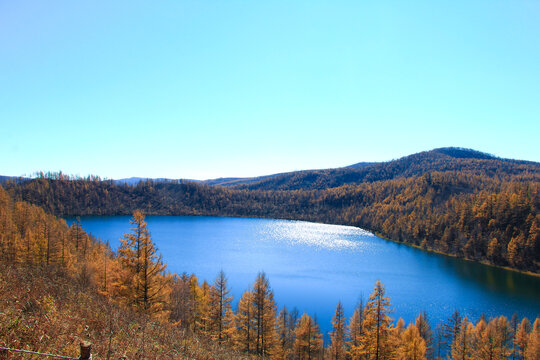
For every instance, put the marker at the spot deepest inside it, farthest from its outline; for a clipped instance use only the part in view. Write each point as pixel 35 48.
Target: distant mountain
pixel 462 153
pixel 135 180
pixel 443 159
pixel 359 165
pixel 363 171
pixel 16 179
pixel 238 181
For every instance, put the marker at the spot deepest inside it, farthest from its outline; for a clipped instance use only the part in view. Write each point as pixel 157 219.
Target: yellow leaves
pixel 413 346
pixel 141 281
pixel 308 338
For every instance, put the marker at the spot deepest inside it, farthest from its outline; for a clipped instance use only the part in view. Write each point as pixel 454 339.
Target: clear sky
pixel 203 89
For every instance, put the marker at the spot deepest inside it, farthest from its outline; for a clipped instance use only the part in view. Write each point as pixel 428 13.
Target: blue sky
pixel 204 89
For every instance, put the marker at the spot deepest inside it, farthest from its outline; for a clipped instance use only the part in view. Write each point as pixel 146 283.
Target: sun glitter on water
pixel 321 236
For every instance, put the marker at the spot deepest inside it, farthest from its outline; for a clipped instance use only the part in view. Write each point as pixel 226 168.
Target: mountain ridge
pixel 440 159
pixel 251 182
pixel 354 173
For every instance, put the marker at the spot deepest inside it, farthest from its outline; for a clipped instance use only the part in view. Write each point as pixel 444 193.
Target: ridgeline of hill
pixel 444 159
pixel 455 201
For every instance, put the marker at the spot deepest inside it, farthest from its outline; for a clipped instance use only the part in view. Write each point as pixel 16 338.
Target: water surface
pixel 313 266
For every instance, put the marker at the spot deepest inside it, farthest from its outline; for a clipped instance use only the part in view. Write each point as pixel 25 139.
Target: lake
pixel 313 266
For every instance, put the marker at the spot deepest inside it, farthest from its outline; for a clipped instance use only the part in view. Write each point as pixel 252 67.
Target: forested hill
pixel 453 201
pixel 444 159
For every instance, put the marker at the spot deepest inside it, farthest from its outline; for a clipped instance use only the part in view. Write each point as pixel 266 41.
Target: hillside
pixel 444 159
pixel 45 310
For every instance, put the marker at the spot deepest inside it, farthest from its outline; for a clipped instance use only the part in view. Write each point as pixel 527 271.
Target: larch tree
pixel 142 281
pixel 285 333
pixel 220 301
pixel 522 338
pixel 424 329
pixel 245 322
pixel 503 336
pixel 177 300
pixel 484 341
pixel 413 345
pixel 182 302
pixel 396 332
pixel 154 283
pixel 105 268
pixel 127 282
pixel 533 343
pixel 204 324
pixel 514 323
pixel 464 342
pixel 452 327
pixel 264 316
pixel 308 339
pixel 9 239
pixel 439 341
pixel 197 300
pixel 337 335
pixel 374 344
pixel 515 250
pixel 356 332
pixel 228 331
pixel 533 241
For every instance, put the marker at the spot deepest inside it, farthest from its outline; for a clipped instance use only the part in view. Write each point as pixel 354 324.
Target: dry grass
pixel 47 311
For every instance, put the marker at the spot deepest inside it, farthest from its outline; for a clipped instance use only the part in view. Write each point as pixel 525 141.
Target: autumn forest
pixel 455 202
pixel 134 280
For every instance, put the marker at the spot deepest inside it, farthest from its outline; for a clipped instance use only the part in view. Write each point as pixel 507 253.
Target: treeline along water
pixel 313 266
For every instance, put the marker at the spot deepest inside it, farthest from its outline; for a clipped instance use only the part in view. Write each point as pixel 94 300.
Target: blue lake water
pixel 313 266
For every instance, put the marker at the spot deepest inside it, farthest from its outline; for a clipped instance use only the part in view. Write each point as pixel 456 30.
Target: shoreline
pixel 524 272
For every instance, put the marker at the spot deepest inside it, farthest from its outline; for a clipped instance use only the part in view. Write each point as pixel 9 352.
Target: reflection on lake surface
pixel 313 266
